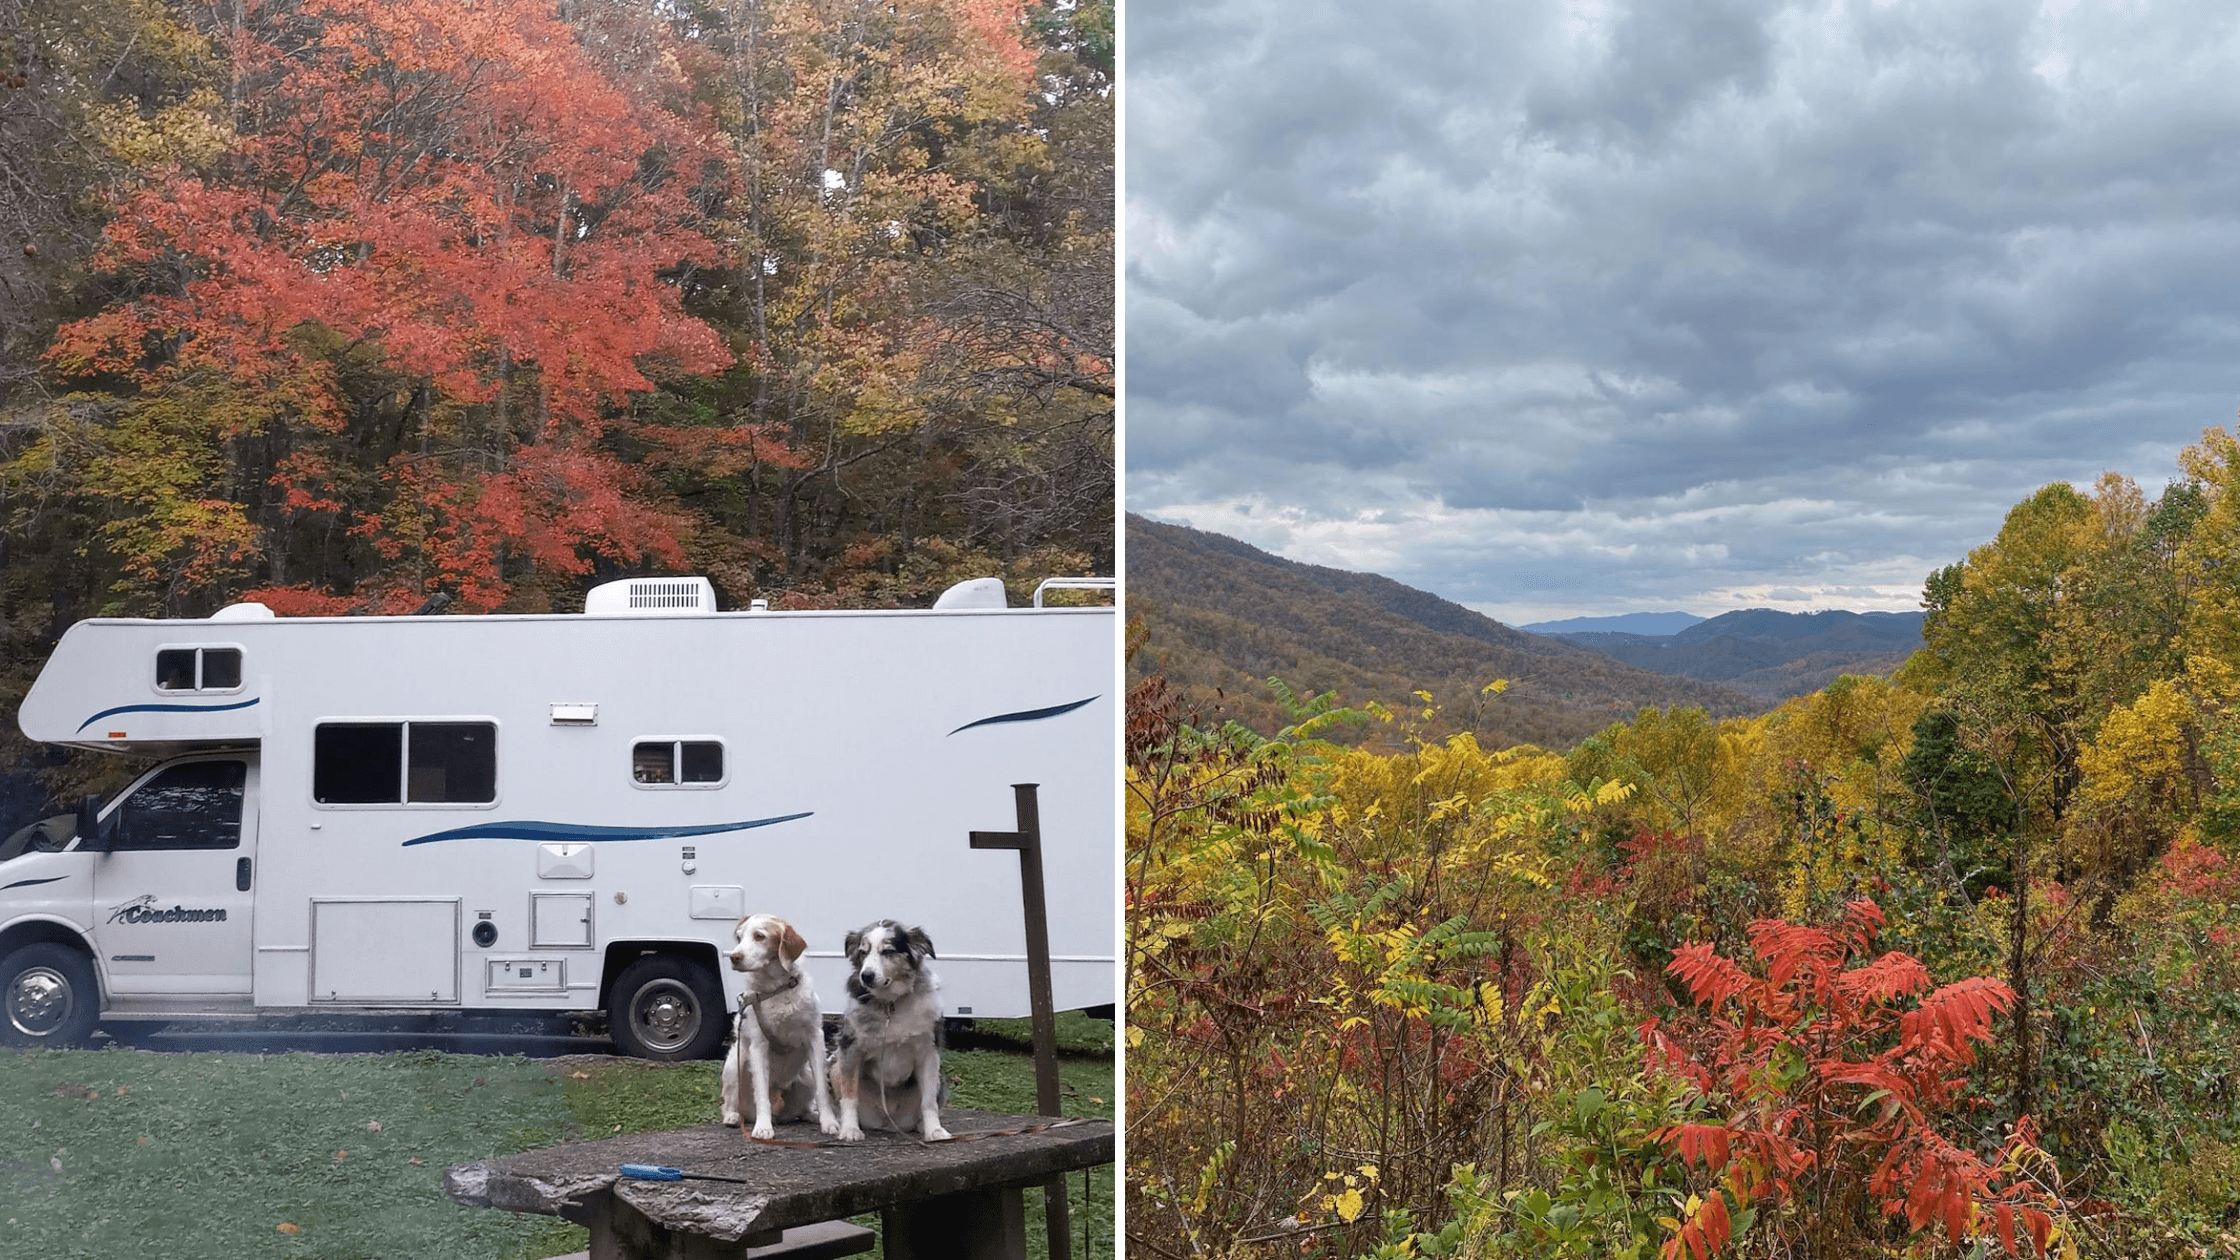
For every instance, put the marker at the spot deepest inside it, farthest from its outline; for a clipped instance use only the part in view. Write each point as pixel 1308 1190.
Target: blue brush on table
pixel 662 1172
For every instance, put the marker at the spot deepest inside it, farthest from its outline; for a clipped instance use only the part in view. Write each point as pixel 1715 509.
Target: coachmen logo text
pixel 142 909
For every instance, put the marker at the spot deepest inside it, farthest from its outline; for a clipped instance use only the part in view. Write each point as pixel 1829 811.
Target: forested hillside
pixel 343 304
pixel 1764 653
pixel 1942 964
pixel 1220 617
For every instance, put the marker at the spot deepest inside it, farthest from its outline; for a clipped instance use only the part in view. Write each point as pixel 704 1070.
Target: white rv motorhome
pixel 560 813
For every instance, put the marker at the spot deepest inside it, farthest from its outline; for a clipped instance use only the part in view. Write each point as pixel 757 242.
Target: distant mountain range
pixel 1766 654
pixel 1223 616
pixel 1624 623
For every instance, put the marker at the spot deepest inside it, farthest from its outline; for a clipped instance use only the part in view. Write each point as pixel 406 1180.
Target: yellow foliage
pixel 192 133
pixel 1525 766
pixel 2207 561
pixel 2137 791
pixel 2141 746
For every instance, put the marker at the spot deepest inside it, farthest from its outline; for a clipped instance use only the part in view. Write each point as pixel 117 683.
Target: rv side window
pixel 452 763
pixel 653 763
pixel 357 763
pixel 415 763
pixel 700 762
pixel 198 669
pixel 677 762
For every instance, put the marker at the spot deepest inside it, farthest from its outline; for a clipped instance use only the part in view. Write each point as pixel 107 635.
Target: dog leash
pixel 746 1000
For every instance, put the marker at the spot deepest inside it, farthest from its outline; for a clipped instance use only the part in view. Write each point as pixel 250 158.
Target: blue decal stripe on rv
pixel 1029 715
pixel 575 831
pixel 163 708
pixel 27 883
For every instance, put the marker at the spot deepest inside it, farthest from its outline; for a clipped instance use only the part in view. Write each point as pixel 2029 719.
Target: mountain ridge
pixel 1767 653
pixel 1222 616
pixel 1644 623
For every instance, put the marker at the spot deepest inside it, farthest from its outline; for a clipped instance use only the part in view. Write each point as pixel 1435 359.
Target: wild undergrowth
pixel 1693 989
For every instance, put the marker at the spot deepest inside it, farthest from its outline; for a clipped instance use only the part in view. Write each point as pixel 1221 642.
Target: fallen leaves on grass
pixel 373 1126
pixel 339 1156
pixel 76 1091
pixel 287 1228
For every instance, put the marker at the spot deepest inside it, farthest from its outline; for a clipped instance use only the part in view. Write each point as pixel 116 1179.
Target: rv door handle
pixel 241 875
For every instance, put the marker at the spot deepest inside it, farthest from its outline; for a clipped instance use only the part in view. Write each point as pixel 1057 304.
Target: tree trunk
pixel 2018 975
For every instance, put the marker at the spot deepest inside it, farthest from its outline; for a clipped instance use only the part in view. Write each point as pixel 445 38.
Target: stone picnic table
pixel 943 1199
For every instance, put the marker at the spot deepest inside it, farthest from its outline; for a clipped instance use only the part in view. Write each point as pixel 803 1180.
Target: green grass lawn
pixel 233 1156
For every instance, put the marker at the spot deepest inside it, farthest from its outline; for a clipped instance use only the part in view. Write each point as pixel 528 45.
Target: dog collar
pixel 756 999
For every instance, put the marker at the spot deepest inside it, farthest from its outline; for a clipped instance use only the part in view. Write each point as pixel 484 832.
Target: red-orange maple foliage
pixel 1823 1079
pixel 453 199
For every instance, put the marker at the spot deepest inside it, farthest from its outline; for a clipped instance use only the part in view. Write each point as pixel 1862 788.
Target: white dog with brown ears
pixel 779 1049
pixel 886 1071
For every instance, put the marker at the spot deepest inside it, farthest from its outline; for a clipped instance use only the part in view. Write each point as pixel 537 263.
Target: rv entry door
pixel 176 883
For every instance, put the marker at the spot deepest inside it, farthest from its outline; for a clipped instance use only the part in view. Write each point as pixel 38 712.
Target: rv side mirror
pixel 92 832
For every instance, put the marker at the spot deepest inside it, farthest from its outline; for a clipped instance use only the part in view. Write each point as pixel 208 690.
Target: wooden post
pixel 1028 841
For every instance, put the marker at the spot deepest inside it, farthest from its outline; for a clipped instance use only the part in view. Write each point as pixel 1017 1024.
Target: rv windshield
pixel 48 835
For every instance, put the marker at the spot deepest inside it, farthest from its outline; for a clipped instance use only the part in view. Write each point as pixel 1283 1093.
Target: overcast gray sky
pixel 1597 307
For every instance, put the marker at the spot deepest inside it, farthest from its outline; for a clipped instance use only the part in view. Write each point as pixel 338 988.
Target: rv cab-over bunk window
pixel 198 669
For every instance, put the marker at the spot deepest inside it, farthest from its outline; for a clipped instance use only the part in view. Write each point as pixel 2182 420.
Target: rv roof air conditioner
pixel 974 593
pixel 652 597
pixel 251 611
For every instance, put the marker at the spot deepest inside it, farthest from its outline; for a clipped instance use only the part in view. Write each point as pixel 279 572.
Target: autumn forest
pixel 348 305
pixel 1943 963
pixel 373 306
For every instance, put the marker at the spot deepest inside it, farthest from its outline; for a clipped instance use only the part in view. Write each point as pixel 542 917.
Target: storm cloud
pixel 1599 307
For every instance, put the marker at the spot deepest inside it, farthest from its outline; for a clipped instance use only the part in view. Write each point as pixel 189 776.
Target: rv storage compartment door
pixel 560 921
pixel 525 975
pixel 377 952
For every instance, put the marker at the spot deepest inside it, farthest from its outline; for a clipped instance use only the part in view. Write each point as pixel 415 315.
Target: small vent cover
pixel 652 596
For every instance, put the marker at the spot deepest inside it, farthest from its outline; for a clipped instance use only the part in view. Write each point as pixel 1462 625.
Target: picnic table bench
pixel 949 1199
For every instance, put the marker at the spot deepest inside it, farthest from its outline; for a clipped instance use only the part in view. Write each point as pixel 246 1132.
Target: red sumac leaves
pixel 1821 1070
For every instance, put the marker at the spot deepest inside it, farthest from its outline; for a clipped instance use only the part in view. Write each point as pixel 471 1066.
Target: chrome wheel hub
pixel 39 1001
pixel 666 1016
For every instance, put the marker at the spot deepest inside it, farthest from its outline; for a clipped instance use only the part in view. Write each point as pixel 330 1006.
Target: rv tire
pixel 666 1008
pixel 49 996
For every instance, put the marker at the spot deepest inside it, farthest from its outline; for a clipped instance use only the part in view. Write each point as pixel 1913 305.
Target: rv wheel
pixel 48 997
pixel 666 1007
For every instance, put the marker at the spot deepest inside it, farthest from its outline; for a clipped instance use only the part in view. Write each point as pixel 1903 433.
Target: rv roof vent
pixel 242 612
pixel 974 593
pixel 652 596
